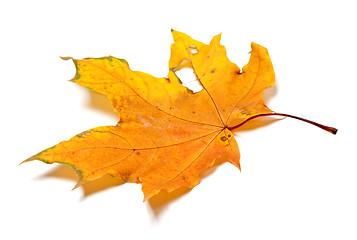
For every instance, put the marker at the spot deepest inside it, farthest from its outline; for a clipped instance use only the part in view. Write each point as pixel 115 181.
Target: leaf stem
pixel 326 128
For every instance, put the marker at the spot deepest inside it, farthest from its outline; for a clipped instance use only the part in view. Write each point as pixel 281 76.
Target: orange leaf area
pixel 167 135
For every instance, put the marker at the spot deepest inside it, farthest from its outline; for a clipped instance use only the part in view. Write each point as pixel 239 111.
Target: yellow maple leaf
pixel 167 135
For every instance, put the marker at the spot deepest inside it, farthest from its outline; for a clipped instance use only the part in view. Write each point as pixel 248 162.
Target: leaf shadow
pixel 89 188
pixel 257 123
pixel 159 203
pixel 100 102
pixel 269 93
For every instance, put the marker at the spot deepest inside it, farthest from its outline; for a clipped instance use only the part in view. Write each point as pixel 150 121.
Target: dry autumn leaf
pixel 167 135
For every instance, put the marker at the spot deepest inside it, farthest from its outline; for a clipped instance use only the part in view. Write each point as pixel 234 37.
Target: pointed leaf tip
pixel 35 157
pixel 78 184
pixel 216 39
pixel 66 58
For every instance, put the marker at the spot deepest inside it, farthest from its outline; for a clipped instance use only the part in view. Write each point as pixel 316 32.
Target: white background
pixel 297 181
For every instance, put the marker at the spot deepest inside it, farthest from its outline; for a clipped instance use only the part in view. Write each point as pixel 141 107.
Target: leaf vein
pixel 194 159
pixel 144 98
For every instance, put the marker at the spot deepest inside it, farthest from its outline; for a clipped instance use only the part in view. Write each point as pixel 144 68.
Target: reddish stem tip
pixel 332 130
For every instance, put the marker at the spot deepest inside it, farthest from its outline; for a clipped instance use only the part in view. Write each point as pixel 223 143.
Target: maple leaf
pixel 167 135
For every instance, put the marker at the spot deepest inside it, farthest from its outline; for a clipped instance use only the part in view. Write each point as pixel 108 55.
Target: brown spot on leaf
pixel 84 134
pixel 224 138
pixel 245 111
pixel 125 177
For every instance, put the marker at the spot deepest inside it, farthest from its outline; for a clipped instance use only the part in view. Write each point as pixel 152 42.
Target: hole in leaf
pixel 193 49
pixel 189 80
